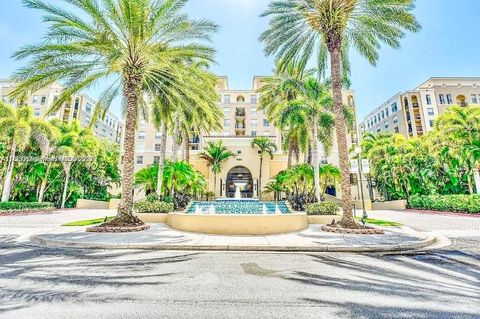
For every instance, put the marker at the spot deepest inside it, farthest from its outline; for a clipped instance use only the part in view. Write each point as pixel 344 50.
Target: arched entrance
pixel 242 176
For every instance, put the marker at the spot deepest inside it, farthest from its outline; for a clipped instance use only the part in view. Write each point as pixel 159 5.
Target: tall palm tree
pixel 265 146
pixel 327 28
pixel 17 126
pixel 275 93
pixel 215 154
pixel 135 45
pixel 311 109
pixel 197 101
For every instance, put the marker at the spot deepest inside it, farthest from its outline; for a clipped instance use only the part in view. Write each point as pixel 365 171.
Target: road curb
pixel 406 246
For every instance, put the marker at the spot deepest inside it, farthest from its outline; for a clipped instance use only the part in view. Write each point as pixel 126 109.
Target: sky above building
pixel 447 45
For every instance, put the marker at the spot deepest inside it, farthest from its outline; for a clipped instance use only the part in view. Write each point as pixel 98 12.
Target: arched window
pixel 240 99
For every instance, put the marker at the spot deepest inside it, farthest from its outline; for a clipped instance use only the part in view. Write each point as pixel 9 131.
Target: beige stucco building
pixel 80 107
pixel 412 113
pixel 241 123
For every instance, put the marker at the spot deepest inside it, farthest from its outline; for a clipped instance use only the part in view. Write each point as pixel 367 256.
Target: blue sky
pixel 448 45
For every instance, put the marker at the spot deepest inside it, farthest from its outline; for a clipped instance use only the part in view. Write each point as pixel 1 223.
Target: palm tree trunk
pixel 214 184
pixel 176 134
pixel 259 191
pixel 67 166
pixel 315 161
pixel 186 144
pixel 335 56
pixel 131 93
pixel 8 176
pixel 161 162
pixel 290 155
pixel 43 186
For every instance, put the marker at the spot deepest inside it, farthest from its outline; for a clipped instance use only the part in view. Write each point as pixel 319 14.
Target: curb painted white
pixel 406 246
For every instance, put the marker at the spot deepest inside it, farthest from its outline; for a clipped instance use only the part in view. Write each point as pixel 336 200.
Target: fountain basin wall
pixel 238 224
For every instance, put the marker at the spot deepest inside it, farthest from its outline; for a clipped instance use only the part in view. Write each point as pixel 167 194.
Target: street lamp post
pixel 358 151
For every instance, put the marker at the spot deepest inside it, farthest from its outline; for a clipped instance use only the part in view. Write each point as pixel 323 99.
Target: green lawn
pixel 88 222
pixel 380 222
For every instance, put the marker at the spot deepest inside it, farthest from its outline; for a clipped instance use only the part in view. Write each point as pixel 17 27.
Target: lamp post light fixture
pixel 358 152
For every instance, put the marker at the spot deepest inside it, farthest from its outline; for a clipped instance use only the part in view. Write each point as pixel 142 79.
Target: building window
pixel 430 111
pixel 395 119
pixel 383 115
pixel 396 129
pixel 240 99
pixel 35 99
pixel 431 123
pixel 141 135
pixel 88 108
pixel 386 112
pixel 254 133
pixel 226 99
pixel 226 122
pixel 156 160
pixel 266 123
pixel 141 125
pixel 474 98
pixel 254 123
pixel 139 159
pixel 253 99
pixel 385 124
pixel 158 147
pixel 43 100
pixel 441 97
pixel 158 135
pixel 141 147
pixel 226 110
pixel 394 107
pixel 253 111
pixel 429 99
pixel 449 99
pixel 36 112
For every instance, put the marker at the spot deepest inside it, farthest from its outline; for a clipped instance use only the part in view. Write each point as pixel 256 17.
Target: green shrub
pixel 450 203
pixel 151 206
pixel 323 208
pixel 11 206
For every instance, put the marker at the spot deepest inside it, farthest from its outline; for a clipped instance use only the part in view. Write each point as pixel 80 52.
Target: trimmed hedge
pixel 12 206
pixel 323 208
pixel 447 203
pixel 152 207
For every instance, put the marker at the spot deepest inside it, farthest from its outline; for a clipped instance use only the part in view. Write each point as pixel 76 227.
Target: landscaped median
pixel 161 237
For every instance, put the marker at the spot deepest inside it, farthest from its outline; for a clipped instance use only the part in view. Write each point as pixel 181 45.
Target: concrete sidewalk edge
pixel 406 246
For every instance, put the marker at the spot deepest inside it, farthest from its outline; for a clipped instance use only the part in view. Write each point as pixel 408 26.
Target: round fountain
pixel 238 217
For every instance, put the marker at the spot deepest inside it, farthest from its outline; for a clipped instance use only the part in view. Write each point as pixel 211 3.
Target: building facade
pixel 80 107
pixel 412 113
pixel 242 122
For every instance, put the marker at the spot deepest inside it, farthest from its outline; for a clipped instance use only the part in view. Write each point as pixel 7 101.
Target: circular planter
pixel 360 231
pixel 242 224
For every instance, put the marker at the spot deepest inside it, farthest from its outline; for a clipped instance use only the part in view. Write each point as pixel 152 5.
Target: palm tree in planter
pixel 17 126
pixel 75 142
pixel 265 146
pixel 328 28
pixel 136 46
pixel 215 154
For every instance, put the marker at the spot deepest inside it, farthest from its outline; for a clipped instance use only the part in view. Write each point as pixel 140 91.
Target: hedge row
pixel 447 203
pixel 322 208
pixel 152 207
pixel 11 206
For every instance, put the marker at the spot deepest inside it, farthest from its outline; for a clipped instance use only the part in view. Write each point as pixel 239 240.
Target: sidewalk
pixel 161 237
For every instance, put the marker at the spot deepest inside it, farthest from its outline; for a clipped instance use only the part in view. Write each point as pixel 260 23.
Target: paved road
pixel 46 283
